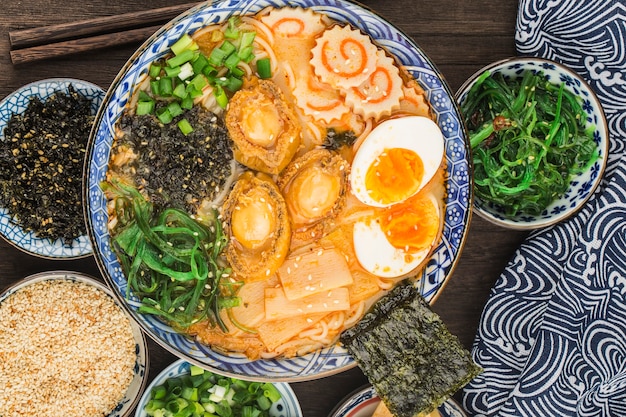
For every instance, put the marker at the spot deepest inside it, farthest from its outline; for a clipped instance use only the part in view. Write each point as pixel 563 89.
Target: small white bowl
pixel 363 402
pixel 582 186
pixel 140 370
pixel 16 103
pixel 287 406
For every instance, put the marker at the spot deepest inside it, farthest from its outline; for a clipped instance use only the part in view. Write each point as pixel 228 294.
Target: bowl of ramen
pixel 261 172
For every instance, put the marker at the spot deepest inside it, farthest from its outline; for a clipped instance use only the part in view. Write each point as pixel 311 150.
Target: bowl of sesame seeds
pixel 68 348
pixel 44 130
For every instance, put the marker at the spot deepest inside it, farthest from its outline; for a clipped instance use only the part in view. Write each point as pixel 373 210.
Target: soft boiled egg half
pixel 389 172
pixel 396 160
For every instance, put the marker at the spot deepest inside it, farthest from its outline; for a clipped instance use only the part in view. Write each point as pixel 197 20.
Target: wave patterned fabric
pixel 552 337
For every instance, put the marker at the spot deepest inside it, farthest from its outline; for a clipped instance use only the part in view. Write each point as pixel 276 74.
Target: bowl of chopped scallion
pixel 539 141
pixel 185 389
pixel 44 129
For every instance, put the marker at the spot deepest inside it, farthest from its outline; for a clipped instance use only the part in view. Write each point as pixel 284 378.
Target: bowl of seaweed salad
pixel 539 141
pixel 44 130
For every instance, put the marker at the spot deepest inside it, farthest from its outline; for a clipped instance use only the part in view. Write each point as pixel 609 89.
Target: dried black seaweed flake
pixel 42 152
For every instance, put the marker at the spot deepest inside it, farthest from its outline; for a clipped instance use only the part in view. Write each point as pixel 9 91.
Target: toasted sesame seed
pixel 71 347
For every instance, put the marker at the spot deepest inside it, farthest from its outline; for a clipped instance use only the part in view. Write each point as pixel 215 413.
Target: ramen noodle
pixel 326 171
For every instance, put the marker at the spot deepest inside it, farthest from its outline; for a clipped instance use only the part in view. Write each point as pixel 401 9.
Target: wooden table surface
pixel 459 37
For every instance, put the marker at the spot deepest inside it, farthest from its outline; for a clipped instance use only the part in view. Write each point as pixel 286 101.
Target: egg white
pixel 417 133
pixel 378 256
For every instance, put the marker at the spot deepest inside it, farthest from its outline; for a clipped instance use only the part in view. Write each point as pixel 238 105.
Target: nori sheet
pixel 407 353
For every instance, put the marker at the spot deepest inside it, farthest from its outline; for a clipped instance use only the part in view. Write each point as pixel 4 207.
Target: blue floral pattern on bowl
pixel 333 359
pixel 140 375
pixel 16 103
pixel 363 402
pixel 581 186
pixel 287 406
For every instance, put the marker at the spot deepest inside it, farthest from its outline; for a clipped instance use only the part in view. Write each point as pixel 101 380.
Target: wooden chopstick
pixel 67 38
pixel 39 52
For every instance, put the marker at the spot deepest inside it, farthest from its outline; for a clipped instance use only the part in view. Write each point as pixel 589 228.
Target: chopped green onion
pixel 180 91
pixel 159 392
pixel 154 87
pixel 143 96
pixel 231 61
pixel 174 109
pixel 154 70
pixel 233 84
pixel 209 71
pixel 180 59
pixel 220 96
pixel 182 77
pixel 145 107
pixel 186 71
pixel 193 91
pixel 199 63
pixel 217 57
pixel 185 126
pixel 247 38
pixel 187 103
pixel 185 42
pixel 165 86
pixel 172 71
pixel 199 82
pixel 270 391
pixel 264 68
pixel 195 370
pixel 164 116
pixel 237 72
pixel 228 47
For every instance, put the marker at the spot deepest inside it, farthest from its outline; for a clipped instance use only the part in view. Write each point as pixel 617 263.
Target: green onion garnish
pixel 185 126
pixel 203 393
pixel 264 68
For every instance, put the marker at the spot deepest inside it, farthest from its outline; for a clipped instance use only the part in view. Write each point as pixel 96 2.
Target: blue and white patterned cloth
pixel 552 336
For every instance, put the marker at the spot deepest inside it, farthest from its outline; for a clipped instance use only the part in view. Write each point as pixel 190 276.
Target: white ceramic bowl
pixel 16 103
pixel 140 371
pixel 364 401
pixel 581 186
pixel 335 358
pixel 287 406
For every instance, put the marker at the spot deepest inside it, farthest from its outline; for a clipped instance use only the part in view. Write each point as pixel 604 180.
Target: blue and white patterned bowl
pixel 16 103
pixel 364 401
pixel 582 186
pixel 333 359
pixel 287 406
pixel 140 376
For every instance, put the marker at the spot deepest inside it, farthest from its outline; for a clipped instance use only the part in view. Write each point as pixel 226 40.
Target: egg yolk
pixel 253 221
pixel 411 225
pixel 314 193
pixel 261 123
pixel 395 175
